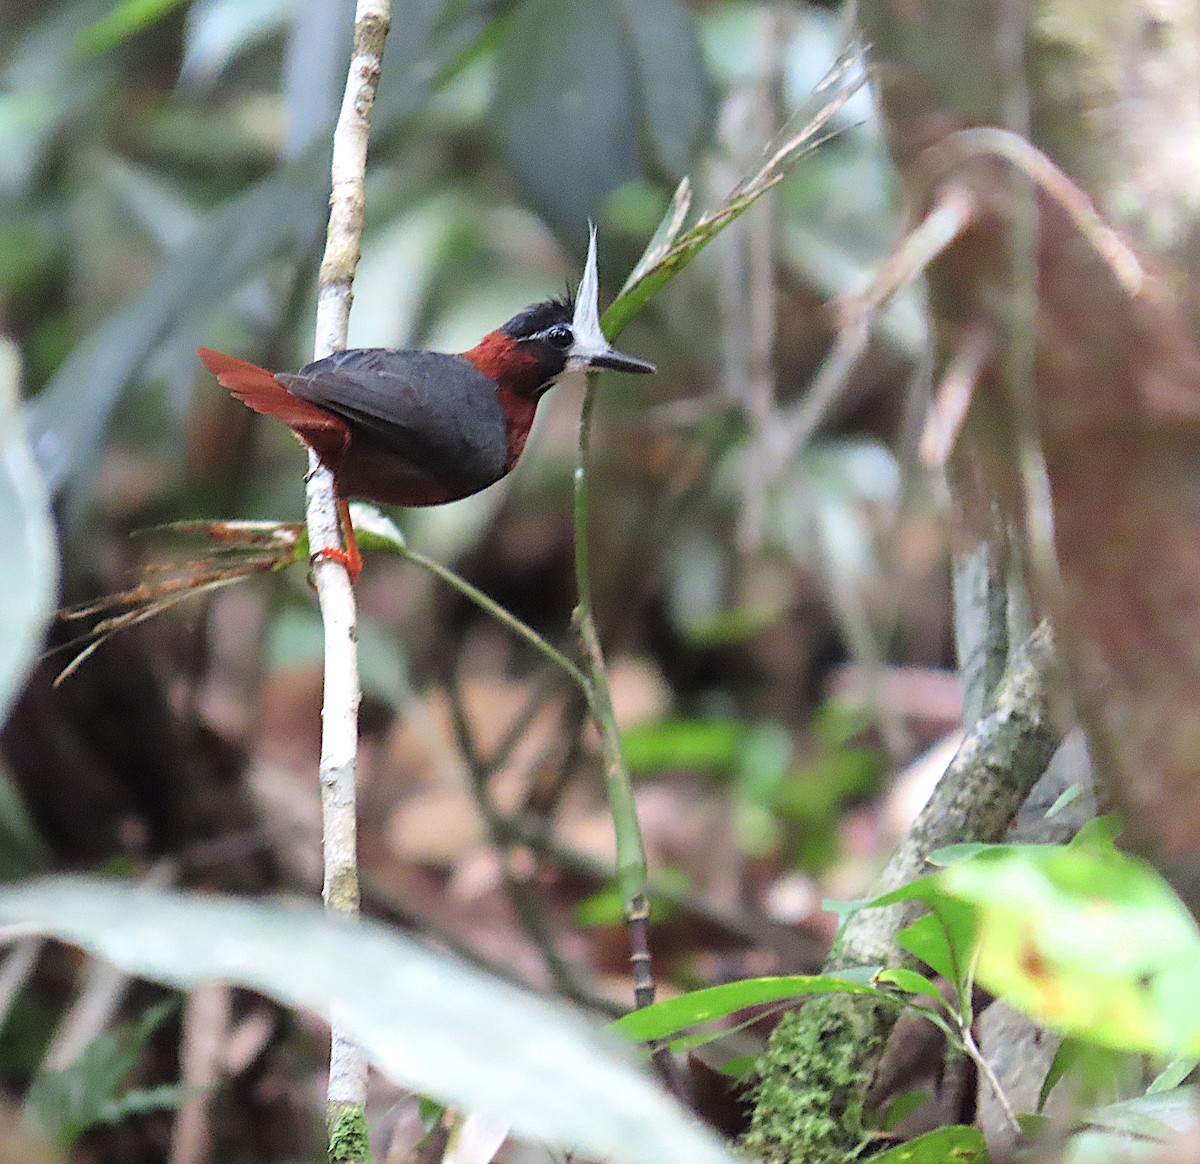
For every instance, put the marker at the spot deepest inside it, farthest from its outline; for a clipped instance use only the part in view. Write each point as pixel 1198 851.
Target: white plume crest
pixel 589 339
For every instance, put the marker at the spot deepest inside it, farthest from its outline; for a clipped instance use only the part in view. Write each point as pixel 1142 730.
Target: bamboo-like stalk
pixel 339 726
pixel 632 873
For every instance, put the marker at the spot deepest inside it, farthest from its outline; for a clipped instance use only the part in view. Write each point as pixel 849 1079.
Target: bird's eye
pixel 560 336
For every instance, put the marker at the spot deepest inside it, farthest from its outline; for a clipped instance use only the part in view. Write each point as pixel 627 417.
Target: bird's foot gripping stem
pixel 350 557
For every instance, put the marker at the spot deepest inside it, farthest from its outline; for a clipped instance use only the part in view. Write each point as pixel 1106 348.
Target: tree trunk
pixel 1074 128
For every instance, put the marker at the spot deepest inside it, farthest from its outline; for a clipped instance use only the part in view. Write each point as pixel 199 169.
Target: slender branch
pixel 347 1091
pixel 947 219
pixel 517 888
pixel 630 852
pixel 980 1060
pixel 499 613
pixel 815 1078
pixel 998 763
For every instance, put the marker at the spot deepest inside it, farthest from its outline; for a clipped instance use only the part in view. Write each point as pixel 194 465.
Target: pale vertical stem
pixel 339 725
pixel 205 1025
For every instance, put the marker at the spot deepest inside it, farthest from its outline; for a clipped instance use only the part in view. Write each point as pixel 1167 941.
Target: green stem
pixel 492 607
pixel 631 854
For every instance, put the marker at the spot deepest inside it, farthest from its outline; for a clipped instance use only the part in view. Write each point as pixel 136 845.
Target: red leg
pixel 350 556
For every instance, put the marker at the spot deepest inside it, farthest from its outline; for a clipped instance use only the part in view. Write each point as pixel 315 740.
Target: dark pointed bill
pixel 591 349
pixel 620 362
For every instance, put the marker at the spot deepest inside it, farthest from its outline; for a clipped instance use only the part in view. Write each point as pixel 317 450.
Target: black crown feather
pixel 540 316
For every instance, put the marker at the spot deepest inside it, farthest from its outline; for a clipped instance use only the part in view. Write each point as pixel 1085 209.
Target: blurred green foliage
pixel 92 1090
pixel 954 1143
pixel 780 800
pixel 174 194
pixel 564 1081
pixel 1086 940
pixel 28 584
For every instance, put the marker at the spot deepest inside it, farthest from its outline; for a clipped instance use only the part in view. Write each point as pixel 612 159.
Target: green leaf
pixel 1064 1057
pixel 1173 1074
pixel 740 1066
pixel 375 530
pixel 1152 1117
pixel 429 1022
pixel 662 240
pixel 952 854
pixel 942 939
pixel 29 580
pixel 715 1002
pixel 1100 832
pixel 580 83
pixel 126 19
pixel 910 982
pixel 672 85
pixel 902 1107
pixel 1088 941
pixel 696 745
pixel 1065 799
pixel 564 107
pixel 1034 1126
pixel 926 889
pixel 430 1113
pixel 956 1144
pixel 1098 1074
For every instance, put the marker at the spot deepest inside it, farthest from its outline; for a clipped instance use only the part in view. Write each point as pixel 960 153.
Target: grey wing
pixel 434 410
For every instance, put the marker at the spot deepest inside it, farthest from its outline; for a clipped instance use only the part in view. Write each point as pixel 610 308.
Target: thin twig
pixel 481 769
pixel 206 1021
pixel 499 613
pixel 986 1069
pixel 1107 242
pixel 948 409
pixel 946 220
pixel 630 852
pixel 347 1091
pixel 16 967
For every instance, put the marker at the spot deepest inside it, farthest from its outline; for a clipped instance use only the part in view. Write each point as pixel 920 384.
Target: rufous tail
pixel 258 389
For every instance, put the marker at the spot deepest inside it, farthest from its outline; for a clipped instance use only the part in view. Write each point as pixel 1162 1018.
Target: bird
pixel 418 428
